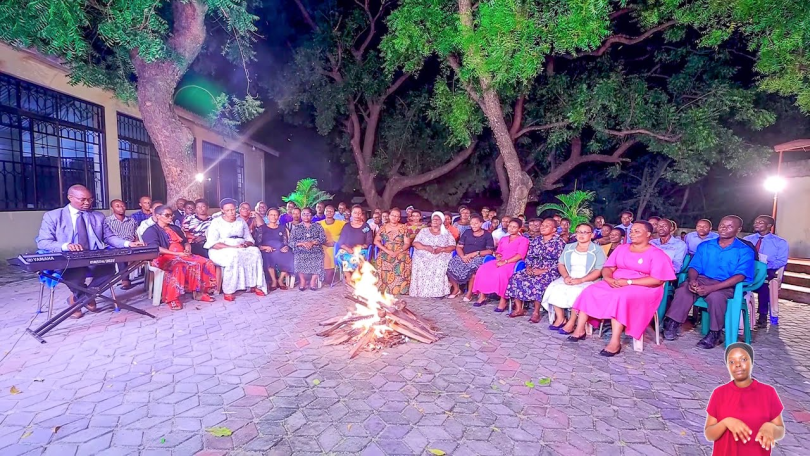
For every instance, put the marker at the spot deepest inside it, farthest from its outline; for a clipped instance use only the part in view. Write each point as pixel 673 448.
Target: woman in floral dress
pixel 394 261
pixel 433 248
pixel 541 269
pixel 184 270
pixel 307 240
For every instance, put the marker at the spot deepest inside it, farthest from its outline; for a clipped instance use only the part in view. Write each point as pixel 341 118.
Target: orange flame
pixel 364 280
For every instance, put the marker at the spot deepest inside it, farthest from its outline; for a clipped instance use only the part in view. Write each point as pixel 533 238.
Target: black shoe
pixel 762 321
pixel 711 340
pixel 608 354
pixel 671 328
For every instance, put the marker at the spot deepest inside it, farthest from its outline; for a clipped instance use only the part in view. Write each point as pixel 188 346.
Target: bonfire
pixel 376 320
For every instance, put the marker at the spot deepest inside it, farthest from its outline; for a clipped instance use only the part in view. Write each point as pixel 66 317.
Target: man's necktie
pixel 759 243
pixel 82 237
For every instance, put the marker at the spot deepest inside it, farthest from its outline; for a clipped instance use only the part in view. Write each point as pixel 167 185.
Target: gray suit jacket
pixel 57 229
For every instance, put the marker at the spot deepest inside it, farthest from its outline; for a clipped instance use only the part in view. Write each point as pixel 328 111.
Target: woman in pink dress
pixel 493 276
pixel 629 294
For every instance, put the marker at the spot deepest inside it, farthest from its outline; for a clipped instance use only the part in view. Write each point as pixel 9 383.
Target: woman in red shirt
pixel 743 406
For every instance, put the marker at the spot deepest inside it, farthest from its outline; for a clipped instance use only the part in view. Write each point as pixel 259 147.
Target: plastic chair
pixel 519 266
pixel 154 283
pixel 735 307
pixel 684 272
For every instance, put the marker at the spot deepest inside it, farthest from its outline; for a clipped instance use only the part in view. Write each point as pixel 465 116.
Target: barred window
pixel 48 142
pixel 141 171
pixel 224 174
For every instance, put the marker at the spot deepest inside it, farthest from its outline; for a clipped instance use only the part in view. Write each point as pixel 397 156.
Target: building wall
pixel 793 212
pixel 20 228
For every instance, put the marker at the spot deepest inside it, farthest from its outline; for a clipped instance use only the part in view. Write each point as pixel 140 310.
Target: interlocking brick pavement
pixel 121 383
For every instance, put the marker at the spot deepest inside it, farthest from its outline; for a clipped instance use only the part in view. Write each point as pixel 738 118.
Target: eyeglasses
pixel 83 200
pixel 166 215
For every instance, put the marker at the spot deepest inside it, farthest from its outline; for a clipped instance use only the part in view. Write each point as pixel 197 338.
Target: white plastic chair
pixel 154 283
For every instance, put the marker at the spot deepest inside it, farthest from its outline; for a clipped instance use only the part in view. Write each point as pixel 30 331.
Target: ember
pixel 377 319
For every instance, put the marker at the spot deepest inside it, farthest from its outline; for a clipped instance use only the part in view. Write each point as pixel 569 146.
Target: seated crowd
pixel 581 275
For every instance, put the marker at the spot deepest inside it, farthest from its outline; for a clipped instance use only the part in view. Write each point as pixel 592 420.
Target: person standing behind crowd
pixel 717 266
pixel 654 219
pixel 123 227
pixel 775 249
pixel 296 219
pixel 394 260
pixel 340 214
pixel 196 227
pixel 672 246
pixel 414 224
pixel 605 239
pixel 287 217
pixel 145 203
pixel 501 230
pixel 450 228
pixel 319 215
pixel 331 227
pixel 598 223
pixel 703 232
pixel 463 222
pixel 615 239
pixel 627 222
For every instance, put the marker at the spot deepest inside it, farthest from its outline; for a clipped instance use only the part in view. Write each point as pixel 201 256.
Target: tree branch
pixel 307 17
pixel 624 39
pixel 532 128
pixel 619 12
pixel 401 182
pixel 395 85
pixel 576 158
pixel 456 65
pixel 640 131
pixel 372 27
pixel 517 116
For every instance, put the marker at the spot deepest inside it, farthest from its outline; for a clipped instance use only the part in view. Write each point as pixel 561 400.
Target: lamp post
pixel 200 177
pixel 775 184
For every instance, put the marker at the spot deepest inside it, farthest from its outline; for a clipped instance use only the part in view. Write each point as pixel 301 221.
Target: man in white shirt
pixel 500 232
pixel 671 245
pixel 627 222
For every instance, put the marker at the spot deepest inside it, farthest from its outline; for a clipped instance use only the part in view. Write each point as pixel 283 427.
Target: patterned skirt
pixel 528 287
pixel 192 273
pixel 461 272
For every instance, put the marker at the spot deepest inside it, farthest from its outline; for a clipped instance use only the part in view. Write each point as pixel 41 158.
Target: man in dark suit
pixel 76 227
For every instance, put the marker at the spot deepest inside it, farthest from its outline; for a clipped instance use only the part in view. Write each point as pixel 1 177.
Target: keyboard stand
pixel 90 294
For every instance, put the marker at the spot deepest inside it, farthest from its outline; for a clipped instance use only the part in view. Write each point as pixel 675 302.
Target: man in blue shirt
pixel 776 249
pixel 703 232
pixel 627 222
pixel 718 265
pixel 146 210
pixel 671 245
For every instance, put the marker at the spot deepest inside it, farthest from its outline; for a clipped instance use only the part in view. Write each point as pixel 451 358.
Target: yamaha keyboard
pixel 35 262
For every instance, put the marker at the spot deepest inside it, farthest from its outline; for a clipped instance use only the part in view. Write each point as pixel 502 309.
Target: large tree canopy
pixel 337 76
pixel 139 49
pixel 547 79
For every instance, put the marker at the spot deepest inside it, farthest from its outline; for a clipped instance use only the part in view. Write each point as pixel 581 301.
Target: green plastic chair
pixel 736 307
pixel 669 289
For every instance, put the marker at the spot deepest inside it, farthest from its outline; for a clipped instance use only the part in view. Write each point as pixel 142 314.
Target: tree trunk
pixel 519 181
pixel 503 179
pixel 157 82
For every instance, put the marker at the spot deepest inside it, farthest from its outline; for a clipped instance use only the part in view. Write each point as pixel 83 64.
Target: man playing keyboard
pixel 77 227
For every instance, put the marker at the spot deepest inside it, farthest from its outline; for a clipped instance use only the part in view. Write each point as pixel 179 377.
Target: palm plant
pixel 307 194
pixel 574 206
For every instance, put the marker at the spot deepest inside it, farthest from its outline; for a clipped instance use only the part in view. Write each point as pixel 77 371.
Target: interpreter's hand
pixel 738 429
pixel 136 244
pixel 765 436
pixel 76 247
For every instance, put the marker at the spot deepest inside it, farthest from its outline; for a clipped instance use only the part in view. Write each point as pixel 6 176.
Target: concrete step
pixel 797 278
pixel 797 265
pixel 794 293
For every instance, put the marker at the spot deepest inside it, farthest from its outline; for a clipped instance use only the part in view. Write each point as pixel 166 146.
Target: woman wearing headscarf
pixel 743 409
pixel 433 248
pixel 230 245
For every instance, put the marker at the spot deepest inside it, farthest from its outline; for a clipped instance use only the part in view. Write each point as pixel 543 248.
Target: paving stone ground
pixel 121 383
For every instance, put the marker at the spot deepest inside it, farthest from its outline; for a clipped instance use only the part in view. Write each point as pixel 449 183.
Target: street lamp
pixel 775 184
pixel 200 177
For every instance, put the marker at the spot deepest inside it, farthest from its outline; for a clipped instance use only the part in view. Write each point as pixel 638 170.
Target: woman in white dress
pixel 580 266
pixel 433 248
pixel 231 246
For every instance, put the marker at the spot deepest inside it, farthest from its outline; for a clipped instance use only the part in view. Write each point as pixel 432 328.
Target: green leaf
pixel 529 383
pixel 316 382
pixel 162 440
pixel 219 431
pixel 544 381
pixel 436 452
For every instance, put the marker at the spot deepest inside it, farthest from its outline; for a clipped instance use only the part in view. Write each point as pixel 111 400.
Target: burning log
pixel 377 320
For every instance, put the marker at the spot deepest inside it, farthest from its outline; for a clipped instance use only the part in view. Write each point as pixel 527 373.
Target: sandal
pixel 517 314
pixel 608 354
pixel 128 286
pixel 205 298
pixel 260 293
pixel 230 297
pixel 175 305
pixel 453 296
pixel 535 318
pixel 553 327
pixel 466 299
